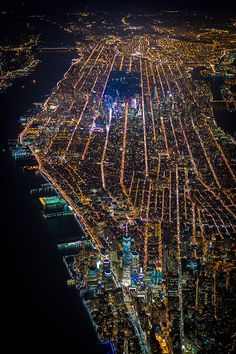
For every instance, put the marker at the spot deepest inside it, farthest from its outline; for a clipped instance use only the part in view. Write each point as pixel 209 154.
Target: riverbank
pixel 224 118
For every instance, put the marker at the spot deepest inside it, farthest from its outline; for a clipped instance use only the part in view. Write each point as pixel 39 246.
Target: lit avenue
pixel 129 140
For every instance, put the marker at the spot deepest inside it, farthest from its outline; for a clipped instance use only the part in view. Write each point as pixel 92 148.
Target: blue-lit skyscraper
pixel 126 259
pixel 155 93
pixel 127 255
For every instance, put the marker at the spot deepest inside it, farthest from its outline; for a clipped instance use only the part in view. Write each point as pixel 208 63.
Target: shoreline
pixel 95 326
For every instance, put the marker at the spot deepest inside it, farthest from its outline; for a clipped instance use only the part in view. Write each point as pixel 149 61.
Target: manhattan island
pixel 129 140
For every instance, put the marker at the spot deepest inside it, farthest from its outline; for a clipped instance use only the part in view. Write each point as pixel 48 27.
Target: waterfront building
pixel 67 248
pixel 54 206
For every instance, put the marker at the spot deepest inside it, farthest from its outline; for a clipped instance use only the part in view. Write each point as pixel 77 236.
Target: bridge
pixel 224 101
pixel 227 102
pixel 56 49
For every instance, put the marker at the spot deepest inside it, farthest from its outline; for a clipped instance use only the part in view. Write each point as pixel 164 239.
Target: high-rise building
pixel 106 266
pixel 126 259
pixel 108 281
pixel 135 262
pixel 157 274
pixel 141 275
pixel 113 257
pixel 155 93
pixel 126 279
pixel 134 103
pixel 127 255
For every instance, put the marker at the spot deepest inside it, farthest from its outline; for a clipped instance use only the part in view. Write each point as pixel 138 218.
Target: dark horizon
pixel 53 7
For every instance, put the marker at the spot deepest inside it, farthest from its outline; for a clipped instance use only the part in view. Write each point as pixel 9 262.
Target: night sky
pixel 52 6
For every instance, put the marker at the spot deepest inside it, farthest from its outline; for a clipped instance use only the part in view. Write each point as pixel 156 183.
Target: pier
pixel 56 49
pixel 45 188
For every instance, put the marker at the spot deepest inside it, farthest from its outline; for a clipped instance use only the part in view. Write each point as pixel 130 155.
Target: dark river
pixel 40 314
pixel 223 117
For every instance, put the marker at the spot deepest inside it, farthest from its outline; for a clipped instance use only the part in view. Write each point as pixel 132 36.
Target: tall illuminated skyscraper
pixel 126 258
pixel 127 255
